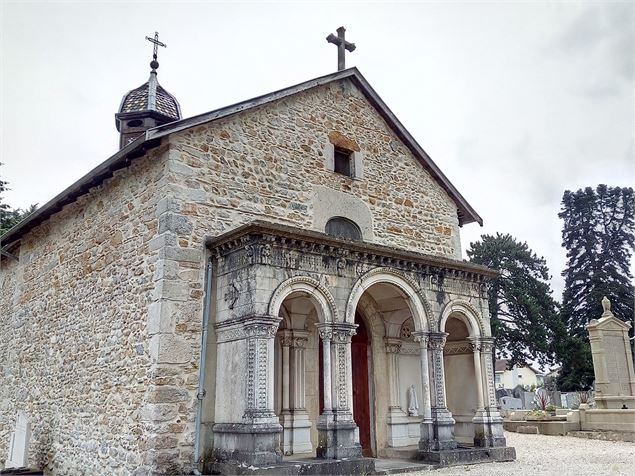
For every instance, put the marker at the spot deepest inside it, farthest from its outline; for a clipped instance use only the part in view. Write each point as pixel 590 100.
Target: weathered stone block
pixel 170 349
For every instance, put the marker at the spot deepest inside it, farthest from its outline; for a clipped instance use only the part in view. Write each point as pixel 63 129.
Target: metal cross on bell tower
pixel 155 64
pixel 342 46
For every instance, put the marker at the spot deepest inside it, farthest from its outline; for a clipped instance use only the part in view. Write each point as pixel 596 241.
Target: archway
pixel 460 376
pixel 302 303
pixel 386 312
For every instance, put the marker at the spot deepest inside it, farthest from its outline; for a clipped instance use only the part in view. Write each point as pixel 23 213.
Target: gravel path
pixel 557 455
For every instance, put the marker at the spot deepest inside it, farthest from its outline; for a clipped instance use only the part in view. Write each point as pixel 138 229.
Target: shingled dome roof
pixel 139 99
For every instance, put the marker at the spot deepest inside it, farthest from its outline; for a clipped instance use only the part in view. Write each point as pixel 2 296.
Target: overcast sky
pixel 515 101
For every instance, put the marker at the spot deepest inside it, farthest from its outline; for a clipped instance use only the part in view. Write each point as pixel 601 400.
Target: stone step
pixel 395 466
pixel 605 435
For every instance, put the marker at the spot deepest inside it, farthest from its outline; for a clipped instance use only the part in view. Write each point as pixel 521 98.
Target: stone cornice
pixel 258 238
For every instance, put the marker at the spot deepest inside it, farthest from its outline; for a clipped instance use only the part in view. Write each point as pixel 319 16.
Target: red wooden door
pixel 361 401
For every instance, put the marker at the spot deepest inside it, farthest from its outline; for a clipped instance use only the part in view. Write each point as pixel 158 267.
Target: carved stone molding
pixel 423 338
pixel 360 286
pixel 437 340
pixel 245 327
pixel 310 286
pixel 293 338
pixel 269 244
pixel 231 295
pixel 392 345
pixel 458 348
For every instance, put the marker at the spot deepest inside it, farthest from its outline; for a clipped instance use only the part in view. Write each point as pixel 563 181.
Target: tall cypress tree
pixel 599 235
pixel 524 316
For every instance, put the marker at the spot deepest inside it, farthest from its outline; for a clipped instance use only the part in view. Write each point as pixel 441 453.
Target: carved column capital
pixel 475 344
pixel 393 345
pixel 423 338
pixel 437 340
pixel 325 331
pixel 487 344
pixel 300 338
pixel 339 333
pixel 261 326
pixel 286 338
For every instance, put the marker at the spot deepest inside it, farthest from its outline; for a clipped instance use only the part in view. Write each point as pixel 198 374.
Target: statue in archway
pixel 413 403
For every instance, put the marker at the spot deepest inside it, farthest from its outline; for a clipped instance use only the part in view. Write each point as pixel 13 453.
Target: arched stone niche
pixel 329 203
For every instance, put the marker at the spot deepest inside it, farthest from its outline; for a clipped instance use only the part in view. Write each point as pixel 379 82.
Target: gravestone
pixel 612 360
pixel 19 444
pixel 511 403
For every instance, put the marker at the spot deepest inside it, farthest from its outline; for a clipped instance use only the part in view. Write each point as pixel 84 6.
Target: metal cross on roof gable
pixel 342 46
pixel 157 43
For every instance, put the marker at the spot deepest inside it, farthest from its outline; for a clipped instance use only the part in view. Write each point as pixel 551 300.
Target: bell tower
pixel 147 106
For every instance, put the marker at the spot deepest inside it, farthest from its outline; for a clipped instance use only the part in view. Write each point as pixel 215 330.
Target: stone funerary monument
pixel 278 277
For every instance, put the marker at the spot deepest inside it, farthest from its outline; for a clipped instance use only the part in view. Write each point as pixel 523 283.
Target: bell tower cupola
pixel 147 106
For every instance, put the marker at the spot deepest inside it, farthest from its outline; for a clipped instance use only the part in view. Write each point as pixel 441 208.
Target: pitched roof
pixel 500 365
pixel 151 138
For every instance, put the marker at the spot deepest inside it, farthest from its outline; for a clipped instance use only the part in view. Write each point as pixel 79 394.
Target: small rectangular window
pixel 342 161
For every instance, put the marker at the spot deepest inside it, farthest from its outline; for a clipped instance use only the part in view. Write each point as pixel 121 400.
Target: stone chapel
pixel 274 280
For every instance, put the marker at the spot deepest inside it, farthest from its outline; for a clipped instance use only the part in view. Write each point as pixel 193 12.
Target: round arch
pixel 416 301
pixel 319 294
pixel 467 313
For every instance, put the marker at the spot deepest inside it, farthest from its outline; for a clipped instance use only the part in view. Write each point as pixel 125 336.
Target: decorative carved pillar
pixel 487 346
pixel 260 334
pixel 294 418
pixel 255 439
pixel 492 434
pixel 336 429
pixel 476 350
pixel 300 339
pixel 393 347
pixel 443 423
pixel 285 341
pixel 427 435
pixel 326 334
pixel 343 378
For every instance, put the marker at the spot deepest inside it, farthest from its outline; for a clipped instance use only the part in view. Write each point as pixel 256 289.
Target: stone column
pixel 300 427
pixel 337 429
pixel 427 435
pixel 256 439
pixel 493 432
pixel 393 347
pixel 443 423
pixel 481 418
pixel 396 420
pixel 286 418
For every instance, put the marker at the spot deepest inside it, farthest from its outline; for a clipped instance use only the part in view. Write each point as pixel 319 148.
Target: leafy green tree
pixel 10 217
pixel 524 316
pixel 599 235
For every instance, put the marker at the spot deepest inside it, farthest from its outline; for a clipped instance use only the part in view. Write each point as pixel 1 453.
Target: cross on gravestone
pixel 19 444
pixel 342 46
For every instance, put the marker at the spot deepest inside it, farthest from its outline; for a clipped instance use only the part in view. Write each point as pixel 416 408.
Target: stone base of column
pixel 296 433
pixel 336 438
pixel 442 430
pixel 254 444
pixel 488 429
pixel 426 442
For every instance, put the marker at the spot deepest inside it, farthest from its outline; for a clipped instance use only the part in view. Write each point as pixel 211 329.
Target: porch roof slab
pixel 386 255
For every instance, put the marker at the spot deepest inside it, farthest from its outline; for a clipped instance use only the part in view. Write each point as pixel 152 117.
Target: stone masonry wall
pixel 267 163
pixel 74 349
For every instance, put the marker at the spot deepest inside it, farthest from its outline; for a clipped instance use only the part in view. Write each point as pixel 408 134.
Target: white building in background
pixel 511 378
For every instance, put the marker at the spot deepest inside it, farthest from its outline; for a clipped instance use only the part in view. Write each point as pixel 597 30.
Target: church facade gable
pixel 271 162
